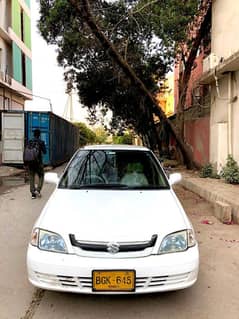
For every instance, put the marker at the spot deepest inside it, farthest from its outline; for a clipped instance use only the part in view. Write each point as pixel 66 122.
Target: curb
pixel 217 200
pixel 10 172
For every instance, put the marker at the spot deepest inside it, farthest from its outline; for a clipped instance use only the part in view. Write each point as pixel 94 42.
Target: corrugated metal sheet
pixel 60 136
pixel 39 120
pixel 64 139
pixel 12 137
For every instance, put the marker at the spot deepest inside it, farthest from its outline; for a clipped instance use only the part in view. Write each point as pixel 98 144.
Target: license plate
pixel 113 280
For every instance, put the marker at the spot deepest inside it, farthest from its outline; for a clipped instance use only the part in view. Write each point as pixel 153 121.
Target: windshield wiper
pixel 98 186
pixel 148 187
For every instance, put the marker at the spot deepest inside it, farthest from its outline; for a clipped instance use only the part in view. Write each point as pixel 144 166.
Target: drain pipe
pixel 229 100
pixel 229 113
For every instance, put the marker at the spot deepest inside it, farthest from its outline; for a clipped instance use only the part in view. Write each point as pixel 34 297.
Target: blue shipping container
pixel 60 136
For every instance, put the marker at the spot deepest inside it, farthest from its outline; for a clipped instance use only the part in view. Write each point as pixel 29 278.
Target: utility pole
pixel 68 111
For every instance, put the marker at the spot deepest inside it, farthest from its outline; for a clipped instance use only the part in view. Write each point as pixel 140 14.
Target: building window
pixel 6 103
pixel 0 59
pixel 1 103
pixel 22 26
pixel 23 69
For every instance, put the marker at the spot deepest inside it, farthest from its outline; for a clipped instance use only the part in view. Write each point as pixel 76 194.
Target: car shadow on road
pixel 100 306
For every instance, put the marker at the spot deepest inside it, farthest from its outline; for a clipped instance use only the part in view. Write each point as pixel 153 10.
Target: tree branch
pixel 89 19
pixel 144 6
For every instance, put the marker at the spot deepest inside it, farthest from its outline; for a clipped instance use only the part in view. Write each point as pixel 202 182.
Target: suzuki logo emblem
pixel 113 247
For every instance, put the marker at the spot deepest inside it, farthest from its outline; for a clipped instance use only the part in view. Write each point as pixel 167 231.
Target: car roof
pixel 115 147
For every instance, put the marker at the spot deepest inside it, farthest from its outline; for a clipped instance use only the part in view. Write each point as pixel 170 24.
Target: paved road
pixel 215 295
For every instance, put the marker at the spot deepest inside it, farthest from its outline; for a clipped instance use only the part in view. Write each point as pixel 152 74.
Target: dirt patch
pixel 36 300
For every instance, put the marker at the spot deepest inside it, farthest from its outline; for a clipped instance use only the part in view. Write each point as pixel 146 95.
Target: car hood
pixel 103 215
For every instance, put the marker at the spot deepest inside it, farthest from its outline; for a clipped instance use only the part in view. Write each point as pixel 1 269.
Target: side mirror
pixel 51 178
pixel 174 178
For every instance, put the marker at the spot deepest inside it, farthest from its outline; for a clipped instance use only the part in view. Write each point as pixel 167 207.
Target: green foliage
pixel 146 34
pixel 208 171
pixel 170 20
pixel 132 27
pixel 123 139
pixel 230 172
pixel 87 136
pixel 101 135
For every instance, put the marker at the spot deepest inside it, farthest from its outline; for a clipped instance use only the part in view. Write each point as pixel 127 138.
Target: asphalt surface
pixel 215 295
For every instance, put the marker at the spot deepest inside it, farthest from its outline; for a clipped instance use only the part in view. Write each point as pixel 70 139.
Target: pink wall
pixel 197 131
pixel 197 136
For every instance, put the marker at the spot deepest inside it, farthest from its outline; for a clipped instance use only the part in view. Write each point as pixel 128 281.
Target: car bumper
pixel 72 273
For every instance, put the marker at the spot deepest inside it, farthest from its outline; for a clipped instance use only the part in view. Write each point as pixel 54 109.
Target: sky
pixel 47 77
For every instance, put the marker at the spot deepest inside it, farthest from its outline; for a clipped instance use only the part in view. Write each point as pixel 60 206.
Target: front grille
pixel 116 247
pixel 86 282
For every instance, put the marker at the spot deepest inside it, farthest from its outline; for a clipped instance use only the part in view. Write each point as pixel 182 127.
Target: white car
pixel 113 225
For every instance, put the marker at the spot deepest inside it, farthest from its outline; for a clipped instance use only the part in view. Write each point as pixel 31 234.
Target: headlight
pixel 49 241
pixel 177 242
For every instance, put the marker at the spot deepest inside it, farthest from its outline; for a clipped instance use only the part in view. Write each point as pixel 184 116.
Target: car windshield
pixel 114 169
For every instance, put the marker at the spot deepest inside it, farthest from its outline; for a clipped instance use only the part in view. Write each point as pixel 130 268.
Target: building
pixel 221 75
pixel 165 97
pixel 15 54
pixel 196 110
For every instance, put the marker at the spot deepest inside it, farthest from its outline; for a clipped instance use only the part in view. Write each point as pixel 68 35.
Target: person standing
pixel 36 168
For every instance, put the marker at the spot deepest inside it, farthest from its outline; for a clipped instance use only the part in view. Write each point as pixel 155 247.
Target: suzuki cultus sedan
pixel 113 225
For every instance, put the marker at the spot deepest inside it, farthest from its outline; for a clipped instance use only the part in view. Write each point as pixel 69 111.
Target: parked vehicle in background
pixel 60 136
pixel 113 225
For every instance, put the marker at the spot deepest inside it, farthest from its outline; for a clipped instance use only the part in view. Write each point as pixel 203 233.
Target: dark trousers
pixel 37 171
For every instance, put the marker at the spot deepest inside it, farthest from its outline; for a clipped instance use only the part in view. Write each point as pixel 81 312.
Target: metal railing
pixel 5 77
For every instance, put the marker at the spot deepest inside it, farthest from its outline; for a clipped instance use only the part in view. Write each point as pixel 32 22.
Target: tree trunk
pixel 183 84
pixel 83 7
